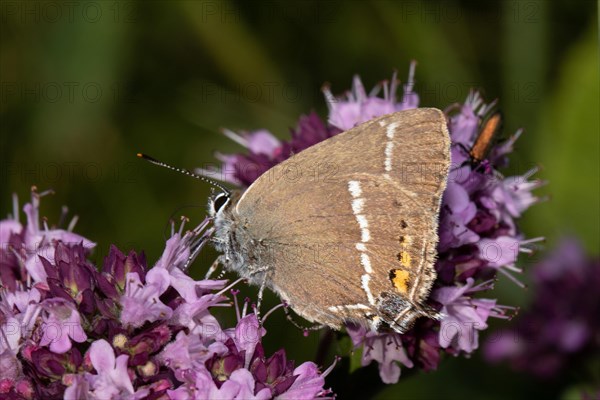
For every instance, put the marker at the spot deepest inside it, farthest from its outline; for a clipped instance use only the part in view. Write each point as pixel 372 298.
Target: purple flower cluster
pixel 126 331
pixel 562 324
pixel 478 233
pixel 266 151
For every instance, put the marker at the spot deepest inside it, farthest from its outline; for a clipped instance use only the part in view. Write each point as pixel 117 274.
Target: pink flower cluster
pixel 125 331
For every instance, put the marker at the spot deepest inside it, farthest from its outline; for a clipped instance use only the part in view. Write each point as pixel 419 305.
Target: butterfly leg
pixel 261 290
pixel 467 152
pixel 213 268
pixel 260 297
pixel 193 254
pixel 289 317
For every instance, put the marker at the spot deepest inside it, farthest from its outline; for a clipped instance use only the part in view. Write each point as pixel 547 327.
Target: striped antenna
pixel 185 172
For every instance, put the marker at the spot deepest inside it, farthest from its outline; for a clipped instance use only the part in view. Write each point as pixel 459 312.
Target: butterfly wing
pixel 350 224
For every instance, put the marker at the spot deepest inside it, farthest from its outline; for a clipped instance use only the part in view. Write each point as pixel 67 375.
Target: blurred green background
pixel 86 85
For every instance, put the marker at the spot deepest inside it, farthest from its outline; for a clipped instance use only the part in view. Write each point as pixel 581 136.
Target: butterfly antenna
pixel 184 171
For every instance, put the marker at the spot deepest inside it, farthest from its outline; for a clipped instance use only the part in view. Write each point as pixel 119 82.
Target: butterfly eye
pixel 219 201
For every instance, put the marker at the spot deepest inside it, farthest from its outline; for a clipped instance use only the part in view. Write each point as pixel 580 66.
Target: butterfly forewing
pixel 350 224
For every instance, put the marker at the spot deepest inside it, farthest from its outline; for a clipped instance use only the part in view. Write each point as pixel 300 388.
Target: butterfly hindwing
pixel 348 227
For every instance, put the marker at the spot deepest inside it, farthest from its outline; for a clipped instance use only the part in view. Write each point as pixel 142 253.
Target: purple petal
pixel 499 252
pixel 246 384
pixel 308 385
pixel 248 334
pixel 62 324
pixel 464 126
pixel 78 387
pixel 141 302
pixel 447 294
pixel 35 267
pixel 102 356
pixel 262 141
pixel 7 228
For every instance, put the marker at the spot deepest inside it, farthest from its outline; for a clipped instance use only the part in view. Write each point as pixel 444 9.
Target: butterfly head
pixel 218 203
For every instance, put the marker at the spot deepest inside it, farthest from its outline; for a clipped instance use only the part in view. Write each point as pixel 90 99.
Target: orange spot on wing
pixel 400 280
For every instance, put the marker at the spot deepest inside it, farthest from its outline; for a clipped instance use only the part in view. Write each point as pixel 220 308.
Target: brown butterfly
pixel 356 244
